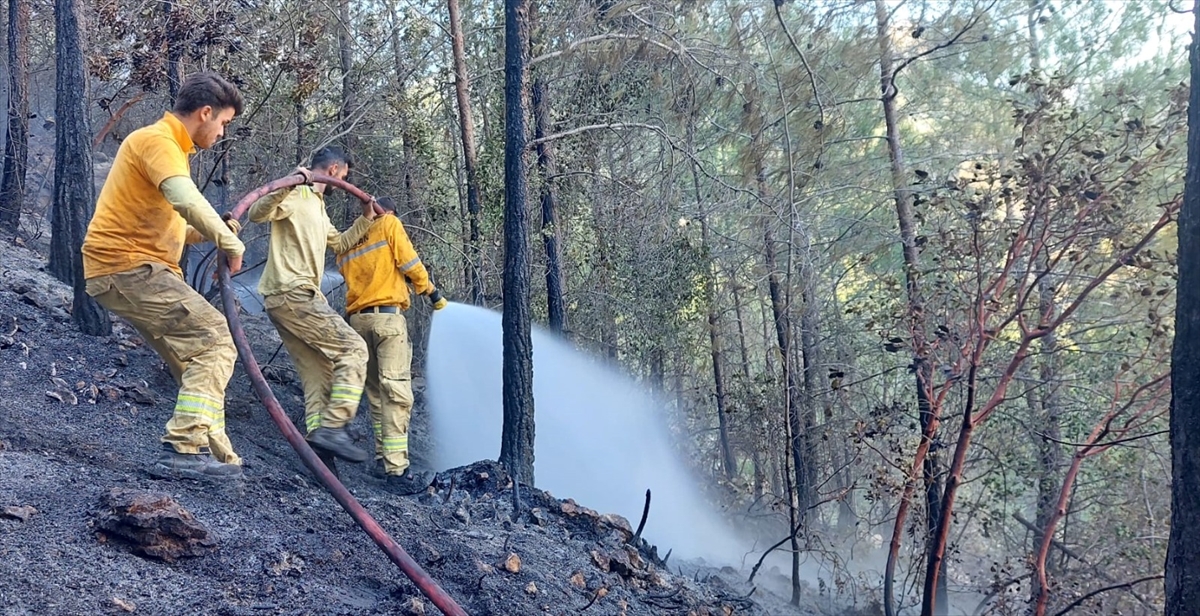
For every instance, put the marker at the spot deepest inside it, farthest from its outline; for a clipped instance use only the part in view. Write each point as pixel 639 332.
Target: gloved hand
pixel 232 223
pixel 304 173
pixel 439 302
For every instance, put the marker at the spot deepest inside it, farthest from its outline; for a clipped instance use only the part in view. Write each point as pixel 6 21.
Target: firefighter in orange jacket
pixel 377 271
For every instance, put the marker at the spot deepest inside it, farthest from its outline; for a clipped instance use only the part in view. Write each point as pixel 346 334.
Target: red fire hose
pixel 393 550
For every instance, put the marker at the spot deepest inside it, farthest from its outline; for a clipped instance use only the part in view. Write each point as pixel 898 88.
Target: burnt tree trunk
pixel 74 190
pixel 922 371
pixel 1044 400
pixel 1183 548
pixel 349 137
pixel 16 148
pixel 734 288
pixel 176 41
pixel 555 304
pixel 462 91
pixel 602 268
pixel 298 115
pixel 812 361
pixel 411 199
pixel 728 463
pixel 516 445
pixel 346 61
pixel 797 491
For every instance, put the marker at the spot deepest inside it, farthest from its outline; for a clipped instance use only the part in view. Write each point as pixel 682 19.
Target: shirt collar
pixel 179 132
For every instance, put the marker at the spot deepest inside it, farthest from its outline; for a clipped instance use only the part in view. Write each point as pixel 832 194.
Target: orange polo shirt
pixel 134 224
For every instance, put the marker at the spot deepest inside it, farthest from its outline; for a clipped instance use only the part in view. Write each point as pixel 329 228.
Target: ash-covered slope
pixel 80 416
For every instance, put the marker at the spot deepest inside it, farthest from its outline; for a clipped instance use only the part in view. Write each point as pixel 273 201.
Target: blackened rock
pixel 153 525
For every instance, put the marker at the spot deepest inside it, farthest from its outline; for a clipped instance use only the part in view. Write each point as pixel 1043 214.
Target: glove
pixel 232 223
pixel 304 173
pixel 439 302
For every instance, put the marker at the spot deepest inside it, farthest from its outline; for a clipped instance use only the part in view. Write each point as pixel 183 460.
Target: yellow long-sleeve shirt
pixel 300 233
pixel 149 206
pixel 377 266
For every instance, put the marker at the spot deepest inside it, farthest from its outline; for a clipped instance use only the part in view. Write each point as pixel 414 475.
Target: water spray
pixel 601 438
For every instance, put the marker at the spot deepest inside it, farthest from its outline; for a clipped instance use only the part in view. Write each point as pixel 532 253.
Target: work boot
pixel 329 459
pixel 337 442
pixel 202 466
pixel 410 482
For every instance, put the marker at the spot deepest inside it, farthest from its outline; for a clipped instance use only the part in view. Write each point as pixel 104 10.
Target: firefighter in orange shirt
pixel 148 209
pixel 377 271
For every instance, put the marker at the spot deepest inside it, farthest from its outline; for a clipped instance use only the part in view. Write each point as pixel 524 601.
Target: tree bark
pixel 602 269
pixel 813 363
pixel 176 40
pixel 462 90
pixel 16 148
pixel 555 304
pixel 743 343
pixel 411 202
pixel 1183 548
pixel 798 490
pixel 346 62
pixel 349 93
pixel 516 447
pixel 728 463
pixel 797 493
pixel 1044 400
pixel 74 189
pixel 928 416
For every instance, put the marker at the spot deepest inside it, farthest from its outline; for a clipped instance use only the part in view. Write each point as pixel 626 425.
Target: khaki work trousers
pixel 330 357
pixel 389 385
pixel 192 338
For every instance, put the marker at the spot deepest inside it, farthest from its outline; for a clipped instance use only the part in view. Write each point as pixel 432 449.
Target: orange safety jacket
pixel 377 267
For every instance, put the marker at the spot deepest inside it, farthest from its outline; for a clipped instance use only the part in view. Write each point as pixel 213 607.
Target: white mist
pixel 600 438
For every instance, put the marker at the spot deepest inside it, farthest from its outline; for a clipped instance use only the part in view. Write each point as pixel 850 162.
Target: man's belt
pixel 384 309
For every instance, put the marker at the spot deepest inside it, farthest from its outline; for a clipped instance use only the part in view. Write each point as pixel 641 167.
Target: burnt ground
pixel 80 416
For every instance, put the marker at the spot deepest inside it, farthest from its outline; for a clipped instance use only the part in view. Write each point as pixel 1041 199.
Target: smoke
pixel 600 438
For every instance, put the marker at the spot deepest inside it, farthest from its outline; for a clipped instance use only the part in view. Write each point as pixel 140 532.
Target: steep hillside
pixel 81 416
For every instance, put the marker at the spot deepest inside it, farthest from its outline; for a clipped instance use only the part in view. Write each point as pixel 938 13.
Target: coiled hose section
pixel 419 577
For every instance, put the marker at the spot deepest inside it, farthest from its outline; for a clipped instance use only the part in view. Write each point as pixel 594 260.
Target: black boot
pixel 410 482
pixel 175 465
pixel 337 442
pixel 329 459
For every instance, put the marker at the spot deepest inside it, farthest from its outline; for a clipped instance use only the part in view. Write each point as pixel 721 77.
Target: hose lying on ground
pixel 393 550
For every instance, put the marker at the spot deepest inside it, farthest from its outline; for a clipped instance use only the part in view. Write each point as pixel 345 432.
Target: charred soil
pixel 80 419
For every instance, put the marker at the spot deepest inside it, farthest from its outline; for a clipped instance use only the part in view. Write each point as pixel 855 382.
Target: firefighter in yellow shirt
pixel 377 271
pixel 148 209
pixel 330 357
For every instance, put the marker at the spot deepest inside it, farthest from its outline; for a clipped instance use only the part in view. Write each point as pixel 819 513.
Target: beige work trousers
pixel 330 357
pixel 192 337
pixel 389 385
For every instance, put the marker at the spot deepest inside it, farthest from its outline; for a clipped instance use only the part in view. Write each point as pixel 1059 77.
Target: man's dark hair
pixel 207 89
pixel 387 203
pixel 329 155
